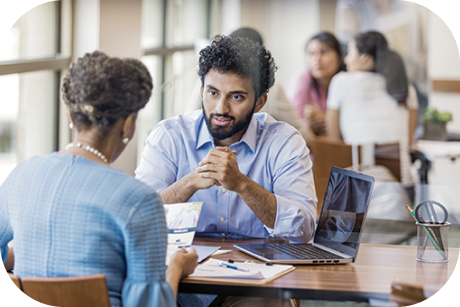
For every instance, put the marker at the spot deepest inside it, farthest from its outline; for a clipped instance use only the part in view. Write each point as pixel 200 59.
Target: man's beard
pixel 220 133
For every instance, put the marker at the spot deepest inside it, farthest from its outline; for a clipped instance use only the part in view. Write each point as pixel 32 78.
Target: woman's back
pixel 368 114
pixel 74 217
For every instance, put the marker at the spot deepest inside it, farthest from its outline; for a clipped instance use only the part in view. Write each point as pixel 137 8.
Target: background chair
pixel 328 153
pixel 16 280
pixel 406 294
pixel 68 291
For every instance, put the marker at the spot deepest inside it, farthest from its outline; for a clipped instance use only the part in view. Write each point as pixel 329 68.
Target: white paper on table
pixel 212 269
pixel 258 272
pixel 205 251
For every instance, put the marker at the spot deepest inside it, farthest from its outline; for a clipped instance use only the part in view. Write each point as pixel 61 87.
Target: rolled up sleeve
pixel 295 193
pixel 157 168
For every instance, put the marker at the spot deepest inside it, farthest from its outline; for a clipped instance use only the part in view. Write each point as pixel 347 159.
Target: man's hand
pixel 181 190
pixel 201 183
pixel 221 165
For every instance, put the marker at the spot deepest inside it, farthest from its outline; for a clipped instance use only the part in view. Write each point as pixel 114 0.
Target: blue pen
pixel 234 267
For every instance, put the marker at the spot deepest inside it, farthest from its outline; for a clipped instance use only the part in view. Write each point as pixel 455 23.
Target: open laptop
pixel 339 228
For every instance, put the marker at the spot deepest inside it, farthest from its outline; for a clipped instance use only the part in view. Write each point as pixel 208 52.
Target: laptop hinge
pixel 331 250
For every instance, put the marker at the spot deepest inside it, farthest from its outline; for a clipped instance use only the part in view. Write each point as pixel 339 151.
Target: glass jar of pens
pixel 432 231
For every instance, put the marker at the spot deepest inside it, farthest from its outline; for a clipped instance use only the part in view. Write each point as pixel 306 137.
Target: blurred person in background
pixel 308 91
pixel 370 103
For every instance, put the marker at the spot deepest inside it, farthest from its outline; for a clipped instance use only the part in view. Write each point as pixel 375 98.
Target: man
pixel 252 173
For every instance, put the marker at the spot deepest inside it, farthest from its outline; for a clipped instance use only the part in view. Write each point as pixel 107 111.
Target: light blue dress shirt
pixel 271 153
pixel 70 216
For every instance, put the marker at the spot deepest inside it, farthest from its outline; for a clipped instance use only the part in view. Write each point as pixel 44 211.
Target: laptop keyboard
pixel 303 251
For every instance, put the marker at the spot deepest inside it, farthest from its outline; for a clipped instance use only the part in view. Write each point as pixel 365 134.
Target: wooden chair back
pixel 16 280
pixel 328 153
pixel 406 294
pixel 68 291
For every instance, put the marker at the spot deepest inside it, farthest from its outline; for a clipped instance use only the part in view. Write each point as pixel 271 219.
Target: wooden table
pixel 370 277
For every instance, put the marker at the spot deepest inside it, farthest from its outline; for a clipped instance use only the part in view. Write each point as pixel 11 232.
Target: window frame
pixel 164 51
pixel 56 64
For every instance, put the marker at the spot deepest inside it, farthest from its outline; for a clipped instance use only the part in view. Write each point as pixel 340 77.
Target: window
pixel 31 60
pixel 170 30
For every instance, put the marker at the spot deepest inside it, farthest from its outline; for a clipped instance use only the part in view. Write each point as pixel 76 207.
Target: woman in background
pixel 71 214
pixel 369 103
pixel 308 92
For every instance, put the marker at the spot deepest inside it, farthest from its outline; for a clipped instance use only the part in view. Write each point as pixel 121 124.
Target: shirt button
pixel 224 190
pixel 223 234
pixel 222 219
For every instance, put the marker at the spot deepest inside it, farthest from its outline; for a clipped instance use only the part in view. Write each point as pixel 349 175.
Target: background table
pixel 370 277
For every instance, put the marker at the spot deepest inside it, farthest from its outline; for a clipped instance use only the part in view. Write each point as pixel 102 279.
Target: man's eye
pixel 237 97
pixel 212 93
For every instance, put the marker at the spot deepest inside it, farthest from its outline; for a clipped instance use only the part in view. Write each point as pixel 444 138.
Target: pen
pixel 426 231
pixel 247 261
pixel 232 266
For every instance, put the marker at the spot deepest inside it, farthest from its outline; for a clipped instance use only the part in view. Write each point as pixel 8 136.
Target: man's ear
pixel 260 102
pixel 201 91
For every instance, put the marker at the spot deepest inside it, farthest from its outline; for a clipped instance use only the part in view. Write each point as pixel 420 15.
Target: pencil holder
pixel 432 242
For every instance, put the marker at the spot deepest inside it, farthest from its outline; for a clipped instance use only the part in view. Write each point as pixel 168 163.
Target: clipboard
pixel 206 271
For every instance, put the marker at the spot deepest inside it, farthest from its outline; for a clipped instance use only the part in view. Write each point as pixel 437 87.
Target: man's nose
pixel 222 106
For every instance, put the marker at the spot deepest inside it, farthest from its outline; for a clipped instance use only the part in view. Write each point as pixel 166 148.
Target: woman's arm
pixel 333 124
pixel 9 264
pixel 182 264
pixel 412 125
pixel 412 105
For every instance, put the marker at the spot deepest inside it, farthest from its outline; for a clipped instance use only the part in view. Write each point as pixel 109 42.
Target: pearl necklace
pixel 90 149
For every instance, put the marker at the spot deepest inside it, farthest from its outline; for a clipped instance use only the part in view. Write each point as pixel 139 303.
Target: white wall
pixel 114 27
pixel 285 27
pixel 443 63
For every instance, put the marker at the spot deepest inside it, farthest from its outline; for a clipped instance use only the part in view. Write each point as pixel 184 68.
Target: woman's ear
pixel 367 61
pixel 129 126
pixel 69 116
pixel 260 102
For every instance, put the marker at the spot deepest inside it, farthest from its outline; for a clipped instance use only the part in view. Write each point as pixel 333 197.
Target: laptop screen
pixel 344 211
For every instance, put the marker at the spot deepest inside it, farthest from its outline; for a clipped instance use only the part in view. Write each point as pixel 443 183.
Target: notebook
pixel 340 225
pixel 257 273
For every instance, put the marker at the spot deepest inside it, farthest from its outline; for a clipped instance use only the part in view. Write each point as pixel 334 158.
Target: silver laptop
pixel 339 228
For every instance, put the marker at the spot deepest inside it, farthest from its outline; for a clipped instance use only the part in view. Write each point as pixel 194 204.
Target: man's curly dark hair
pixel 99 90
pixel 241 56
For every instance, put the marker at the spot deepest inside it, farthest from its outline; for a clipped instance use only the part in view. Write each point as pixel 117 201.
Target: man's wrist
pixel 243 185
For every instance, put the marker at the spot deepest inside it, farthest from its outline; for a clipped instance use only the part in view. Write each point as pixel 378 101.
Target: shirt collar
pixel 204 136
pixel 249 137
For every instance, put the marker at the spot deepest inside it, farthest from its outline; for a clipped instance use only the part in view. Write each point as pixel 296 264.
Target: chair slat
pixel 68 291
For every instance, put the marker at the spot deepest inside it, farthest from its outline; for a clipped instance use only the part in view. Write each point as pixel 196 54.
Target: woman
pixel 72 214
pixel 369 103
pixel 308 94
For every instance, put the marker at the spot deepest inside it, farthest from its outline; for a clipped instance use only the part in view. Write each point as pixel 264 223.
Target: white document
pixel 181 220
pixel 204 252
pixel 256 271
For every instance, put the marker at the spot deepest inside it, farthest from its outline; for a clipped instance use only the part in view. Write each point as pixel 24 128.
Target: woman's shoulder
pixel 342 80
pixel 342 76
